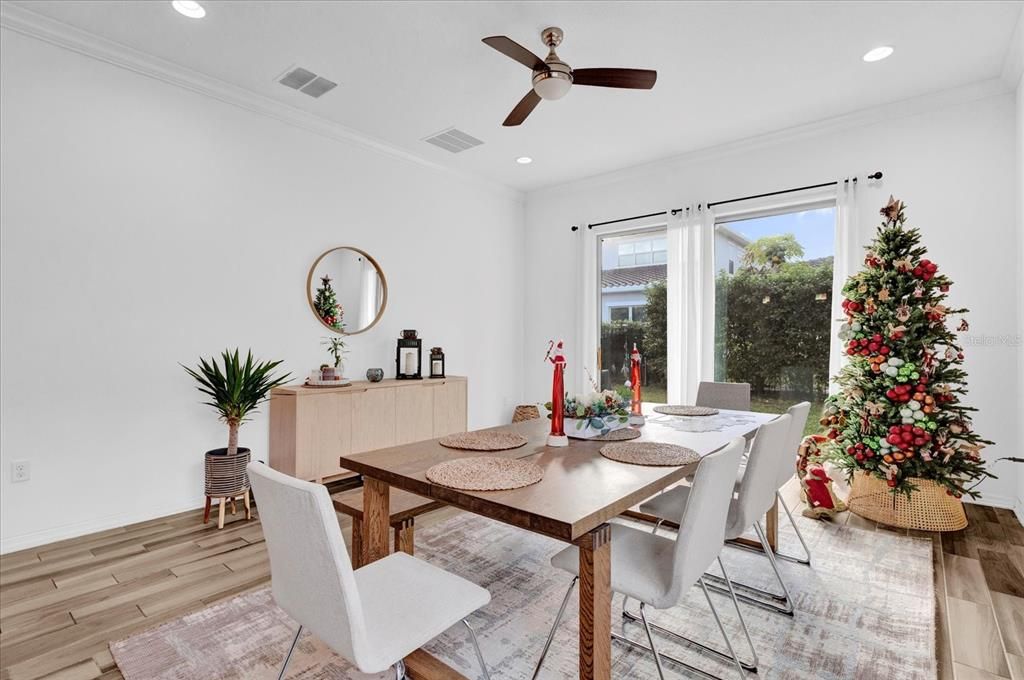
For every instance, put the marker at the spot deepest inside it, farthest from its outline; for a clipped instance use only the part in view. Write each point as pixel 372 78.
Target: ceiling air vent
pixel 307 82
pixel 453 140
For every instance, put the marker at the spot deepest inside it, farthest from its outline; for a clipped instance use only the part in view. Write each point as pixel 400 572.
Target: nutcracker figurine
pixel 556 355
pixel 636 416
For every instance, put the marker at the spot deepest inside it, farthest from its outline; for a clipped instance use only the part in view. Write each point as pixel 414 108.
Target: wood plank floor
pixel 61 604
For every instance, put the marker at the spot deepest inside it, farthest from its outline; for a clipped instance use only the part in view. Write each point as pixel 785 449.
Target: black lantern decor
pixel 409 357
pixel 436 362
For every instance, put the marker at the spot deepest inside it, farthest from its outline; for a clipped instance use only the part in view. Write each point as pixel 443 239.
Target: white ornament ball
pixel 919 415
pixel 891 371
pixel 906 413
pixel 914 406
pixel 855 326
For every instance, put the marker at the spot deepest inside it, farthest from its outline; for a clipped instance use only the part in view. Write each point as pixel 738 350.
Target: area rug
pixel 866 611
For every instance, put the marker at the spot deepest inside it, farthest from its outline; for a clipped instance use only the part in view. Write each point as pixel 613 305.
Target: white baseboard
pixel 74 530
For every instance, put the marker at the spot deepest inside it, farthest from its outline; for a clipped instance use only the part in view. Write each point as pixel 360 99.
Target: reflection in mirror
pixel 347 290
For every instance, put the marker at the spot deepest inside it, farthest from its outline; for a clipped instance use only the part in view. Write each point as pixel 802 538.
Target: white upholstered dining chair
pixel 656 570
pixel 755 493
pixel 374 616
pixel 798 413
pixel 730 396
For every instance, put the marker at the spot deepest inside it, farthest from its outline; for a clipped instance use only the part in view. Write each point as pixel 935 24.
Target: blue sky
pixel 814 229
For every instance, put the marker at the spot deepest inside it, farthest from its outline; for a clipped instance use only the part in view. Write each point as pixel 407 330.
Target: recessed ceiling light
pixel 190 8
pixel 878 54
pixel 524 160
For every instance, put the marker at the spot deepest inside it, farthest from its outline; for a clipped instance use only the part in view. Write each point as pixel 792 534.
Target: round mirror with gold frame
pixel 347 290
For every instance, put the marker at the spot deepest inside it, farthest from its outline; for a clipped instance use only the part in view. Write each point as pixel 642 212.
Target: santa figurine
pixel 815 484
pixel 556 355
pixel 636 416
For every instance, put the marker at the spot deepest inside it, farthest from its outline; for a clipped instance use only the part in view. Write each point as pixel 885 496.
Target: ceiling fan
pixel 552 77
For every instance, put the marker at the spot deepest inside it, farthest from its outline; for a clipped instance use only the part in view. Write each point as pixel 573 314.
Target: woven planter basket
pixel 930 508
pixel 226 475
pixel 525 412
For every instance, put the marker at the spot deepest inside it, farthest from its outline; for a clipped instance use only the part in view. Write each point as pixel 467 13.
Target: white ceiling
pixel 726 70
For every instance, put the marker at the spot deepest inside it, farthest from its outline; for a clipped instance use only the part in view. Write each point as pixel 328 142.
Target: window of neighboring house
pixel 640 253
pixel 627 313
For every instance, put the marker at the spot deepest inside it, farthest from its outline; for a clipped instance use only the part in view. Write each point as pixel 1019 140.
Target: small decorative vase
pixel 226 476
pixel 375 374
pixel 588 428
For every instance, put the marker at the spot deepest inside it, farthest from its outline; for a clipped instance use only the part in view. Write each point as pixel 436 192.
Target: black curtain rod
pixel 675 211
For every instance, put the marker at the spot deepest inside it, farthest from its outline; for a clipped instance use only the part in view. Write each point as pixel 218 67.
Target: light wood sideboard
pixel 311 427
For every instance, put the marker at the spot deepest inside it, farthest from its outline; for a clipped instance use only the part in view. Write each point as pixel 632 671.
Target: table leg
pixel 376 501
pixel 404 536
pixel 595 604
pixel 357 543
pixel 771 526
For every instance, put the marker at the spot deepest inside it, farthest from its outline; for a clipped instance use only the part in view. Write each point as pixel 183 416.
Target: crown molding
pixel 34 25
pixel 904 108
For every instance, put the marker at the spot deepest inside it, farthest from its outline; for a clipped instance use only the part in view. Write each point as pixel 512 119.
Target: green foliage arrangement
pixel 336 348
pixel 899 414
pixel 597 409
pixel 236 390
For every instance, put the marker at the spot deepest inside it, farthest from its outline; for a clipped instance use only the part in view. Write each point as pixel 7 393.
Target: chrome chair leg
pixel 554 627
pixel 288 657
pixel 476 646
pixel 661 656
pixel 807 551
pixel 739 615
pixel 400 670
pixel 758 597
pixel 650 640
pixel 750 666
pixel 728 642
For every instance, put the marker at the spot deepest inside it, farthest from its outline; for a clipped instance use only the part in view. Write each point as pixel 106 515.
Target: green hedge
pixel 781 345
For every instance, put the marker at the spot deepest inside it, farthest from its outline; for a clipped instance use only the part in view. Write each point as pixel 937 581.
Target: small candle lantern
pixel 409 357
pixel 436 362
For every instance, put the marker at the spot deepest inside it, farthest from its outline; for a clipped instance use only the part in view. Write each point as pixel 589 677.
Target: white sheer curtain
pixel 846 262
pixel 690 316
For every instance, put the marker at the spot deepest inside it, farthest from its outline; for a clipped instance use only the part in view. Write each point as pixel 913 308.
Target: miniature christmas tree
pixel 899 414
pixel 326 304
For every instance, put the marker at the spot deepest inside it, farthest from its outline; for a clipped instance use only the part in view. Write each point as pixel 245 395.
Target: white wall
pixel 1020 285
pixel 144 225
pixel 950 158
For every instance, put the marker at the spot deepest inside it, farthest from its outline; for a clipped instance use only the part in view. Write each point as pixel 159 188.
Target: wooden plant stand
pixel 224 500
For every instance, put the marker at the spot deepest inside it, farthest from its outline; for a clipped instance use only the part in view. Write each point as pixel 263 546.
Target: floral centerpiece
pixel 594 414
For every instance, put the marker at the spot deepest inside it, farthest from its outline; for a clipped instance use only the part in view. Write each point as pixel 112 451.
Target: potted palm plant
pixel 234 391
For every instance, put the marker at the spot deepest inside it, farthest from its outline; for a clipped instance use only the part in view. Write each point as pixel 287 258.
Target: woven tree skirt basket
pixel 929 508
pixel 226 475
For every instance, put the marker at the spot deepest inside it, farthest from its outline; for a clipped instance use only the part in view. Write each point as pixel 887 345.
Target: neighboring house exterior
pixel 630 264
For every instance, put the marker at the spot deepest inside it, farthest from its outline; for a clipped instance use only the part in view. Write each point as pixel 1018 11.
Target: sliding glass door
pixel 632 309
pixel 773 299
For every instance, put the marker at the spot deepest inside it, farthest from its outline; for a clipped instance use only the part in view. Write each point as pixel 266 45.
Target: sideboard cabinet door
pixel 414 413
pixel 373 420
pixel 449 407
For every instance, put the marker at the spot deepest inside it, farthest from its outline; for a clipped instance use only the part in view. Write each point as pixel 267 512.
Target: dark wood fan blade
pixel 523 109
pixel 510 48
pixel 632 78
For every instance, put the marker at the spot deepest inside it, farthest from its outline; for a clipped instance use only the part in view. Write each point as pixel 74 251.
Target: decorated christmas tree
pixel 326 304
pixel 899 415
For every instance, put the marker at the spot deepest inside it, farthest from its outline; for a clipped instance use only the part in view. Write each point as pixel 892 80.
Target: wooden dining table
pixel 580 492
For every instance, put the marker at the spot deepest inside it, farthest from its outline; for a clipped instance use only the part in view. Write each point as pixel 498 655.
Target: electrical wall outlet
pixel 21 471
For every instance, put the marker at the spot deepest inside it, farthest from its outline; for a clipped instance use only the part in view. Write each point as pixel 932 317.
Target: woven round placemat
pixel 484 441
pixel 619 435
pixel 686 410
pixel 485 473
pixel 650 453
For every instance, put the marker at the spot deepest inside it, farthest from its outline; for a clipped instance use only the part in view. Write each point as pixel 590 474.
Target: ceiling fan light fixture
pixel 877 54
pixel 552 84
pixel 189 8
